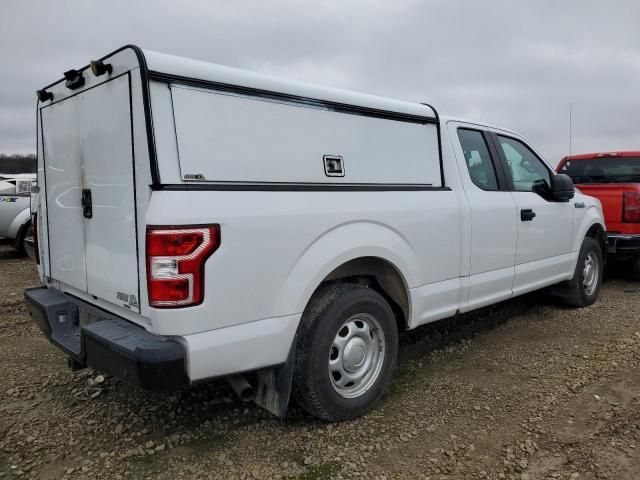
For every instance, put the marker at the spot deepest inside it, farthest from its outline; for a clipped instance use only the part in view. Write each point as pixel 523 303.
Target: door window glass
pixel 527 170
pixel 478 159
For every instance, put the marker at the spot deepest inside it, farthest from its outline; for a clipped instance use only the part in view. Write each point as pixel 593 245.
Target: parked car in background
pixel 613 178
pixel 15 211
pixel 197 221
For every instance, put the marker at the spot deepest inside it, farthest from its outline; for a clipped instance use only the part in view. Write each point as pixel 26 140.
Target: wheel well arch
pixel 596 231
pixel 20 220
pixel 380 275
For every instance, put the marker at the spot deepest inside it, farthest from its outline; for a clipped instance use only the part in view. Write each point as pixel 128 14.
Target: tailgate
pixel 90 192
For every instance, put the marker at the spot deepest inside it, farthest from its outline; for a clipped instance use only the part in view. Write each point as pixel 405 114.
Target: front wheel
pixel 346 352
pixel 587 278
pixel 18 242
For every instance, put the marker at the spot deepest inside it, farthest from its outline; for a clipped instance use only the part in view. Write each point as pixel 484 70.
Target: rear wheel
pixel 587 278
pixel 346 352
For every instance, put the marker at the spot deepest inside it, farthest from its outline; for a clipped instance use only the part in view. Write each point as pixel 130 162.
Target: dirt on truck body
pixel 522 390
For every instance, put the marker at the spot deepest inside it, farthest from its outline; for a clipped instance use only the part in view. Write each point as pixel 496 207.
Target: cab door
pixel 492 211
pixel 545 227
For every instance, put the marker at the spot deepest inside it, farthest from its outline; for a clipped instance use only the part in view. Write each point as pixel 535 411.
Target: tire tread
pixel 305 380
pixel 576 296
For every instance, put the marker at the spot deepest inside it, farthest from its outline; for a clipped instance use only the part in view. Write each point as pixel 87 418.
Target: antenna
pixel 570 125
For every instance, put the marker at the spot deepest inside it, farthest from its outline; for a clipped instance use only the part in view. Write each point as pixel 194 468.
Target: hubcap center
pixel 355 353
pixel 590 274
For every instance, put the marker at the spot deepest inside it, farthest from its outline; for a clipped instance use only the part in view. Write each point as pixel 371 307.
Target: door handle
pixel 87 204
pixel 526 215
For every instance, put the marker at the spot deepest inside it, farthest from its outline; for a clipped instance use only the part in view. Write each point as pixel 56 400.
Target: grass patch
pixel 321 471
pixel 145 466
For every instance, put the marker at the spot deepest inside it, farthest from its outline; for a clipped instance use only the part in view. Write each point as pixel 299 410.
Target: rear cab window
pixel 603 169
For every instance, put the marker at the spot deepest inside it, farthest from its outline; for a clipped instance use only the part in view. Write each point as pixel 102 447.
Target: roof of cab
pixel 186 68
pixel 445 119
pixel 589 156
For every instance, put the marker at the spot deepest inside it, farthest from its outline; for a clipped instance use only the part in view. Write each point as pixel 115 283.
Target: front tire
pixel 18 243
pixel 584 287
pixel 346 353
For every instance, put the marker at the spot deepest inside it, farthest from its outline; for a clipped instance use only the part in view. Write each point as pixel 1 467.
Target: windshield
pixel 603 170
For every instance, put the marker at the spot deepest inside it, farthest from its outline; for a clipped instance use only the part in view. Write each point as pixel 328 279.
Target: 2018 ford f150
pixel 197 221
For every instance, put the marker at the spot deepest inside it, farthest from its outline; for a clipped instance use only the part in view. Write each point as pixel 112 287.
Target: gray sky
pixel 516 64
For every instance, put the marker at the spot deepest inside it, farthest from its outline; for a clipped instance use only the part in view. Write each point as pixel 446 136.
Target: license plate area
pixel 65 328
pixel 66 321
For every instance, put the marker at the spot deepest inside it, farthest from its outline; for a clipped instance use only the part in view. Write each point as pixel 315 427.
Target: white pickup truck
pixel 198 221
pixel 15 212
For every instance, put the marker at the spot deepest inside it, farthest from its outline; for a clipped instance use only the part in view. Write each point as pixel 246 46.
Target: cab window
pixel 527 170
pixel 478 159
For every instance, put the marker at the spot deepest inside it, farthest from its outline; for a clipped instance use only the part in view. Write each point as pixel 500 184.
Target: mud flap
pixel 274 385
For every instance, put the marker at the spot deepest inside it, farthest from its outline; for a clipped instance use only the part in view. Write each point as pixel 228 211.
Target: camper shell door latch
pixel 87 204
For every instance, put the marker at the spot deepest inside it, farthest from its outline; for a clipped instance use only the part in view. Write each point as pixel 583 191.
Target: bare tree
pixel 17 163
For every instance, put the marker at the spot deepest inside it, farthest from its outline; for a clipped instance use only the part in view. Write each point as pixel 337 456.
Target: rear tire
pixel 346 353
pixel 584 287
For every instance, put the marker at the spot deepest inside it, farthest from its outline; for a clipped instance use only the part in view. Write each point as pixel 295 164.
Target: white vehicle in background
pixel 15 211
pixel 197 221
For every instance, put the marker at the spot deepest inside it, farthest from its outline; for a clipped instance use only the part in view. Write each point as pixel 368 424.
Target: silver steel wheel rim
pixel 356 355
pixel 590 273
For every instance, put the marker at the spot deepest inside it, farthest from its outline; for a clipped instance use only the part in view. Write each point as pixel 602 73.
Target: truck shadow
pixel 203 417
pixel 214 401
pixel 8 253
pixel 442 334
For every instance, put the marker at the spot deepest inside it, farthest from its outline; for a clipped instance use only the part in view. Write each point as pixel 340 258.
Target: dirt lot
pixel 524 390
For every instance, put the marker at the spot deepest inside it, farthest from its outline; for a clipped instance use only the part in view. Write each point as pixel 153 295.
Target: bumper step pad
pixel 107 342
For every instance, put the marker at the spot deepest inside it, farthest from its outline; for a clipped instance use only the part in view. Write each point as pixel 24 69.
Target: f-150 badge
pixel 130 300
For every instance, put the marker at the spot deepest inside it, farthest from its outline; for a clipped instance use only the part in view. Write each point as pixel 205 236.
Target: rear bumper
pixel 106 342
pixel 623 243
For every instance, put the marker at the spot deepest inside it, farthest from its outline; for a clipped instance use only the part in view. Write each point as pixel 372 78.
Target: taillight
pixel 175 264
pixel 631 207
pixel 34 232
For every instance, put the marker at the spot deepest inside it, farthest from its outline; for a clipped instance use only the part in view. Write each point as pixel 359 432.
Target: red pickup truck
pixel 613 178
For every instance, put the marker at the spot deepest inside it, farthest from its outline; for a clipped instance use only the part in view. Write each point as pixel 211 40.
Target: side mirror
pixel 562 189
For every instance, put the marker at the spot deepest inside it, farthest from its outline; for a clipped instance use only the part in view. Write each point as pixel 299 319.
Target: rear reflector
pixel 631 207
pixel 169 291
pixel 175 264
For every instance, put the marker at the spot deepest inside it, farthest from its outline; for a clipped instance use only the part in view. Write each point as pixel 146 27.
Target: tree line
pixel 17 163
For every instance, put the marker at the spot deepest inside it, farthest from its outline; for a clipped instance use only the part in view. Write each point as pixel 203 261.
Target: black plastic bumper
pixel 623 244
pixel 106 342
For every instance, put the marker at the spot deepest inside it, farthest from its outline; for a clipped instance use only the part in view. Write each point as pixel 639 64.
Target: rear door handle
pixel 526 215
pixel 87 204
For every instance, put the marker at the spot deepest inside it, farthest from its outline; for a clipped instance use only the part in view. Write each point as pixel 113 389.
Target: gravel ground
pixel 522 390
